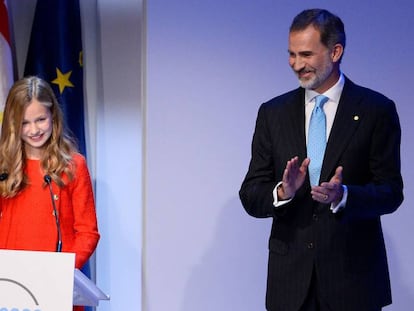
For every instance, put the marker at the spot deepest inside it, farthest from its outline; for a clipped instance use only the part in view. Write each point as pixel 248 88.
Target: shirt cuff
pixel 342 203
pixel 276 201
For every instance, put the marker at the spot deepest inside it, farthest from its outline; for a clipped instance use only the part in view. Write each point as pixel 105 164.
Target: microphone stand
pixel 48 180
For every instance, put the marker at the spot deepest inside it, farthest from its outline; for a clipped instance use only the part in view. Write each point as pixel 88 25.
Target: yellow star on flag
pixel 62 80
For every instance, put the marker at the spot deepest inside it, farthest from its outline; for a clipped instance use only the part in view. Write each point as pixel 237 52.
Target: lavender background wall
pixel 210 66
pixel 173 89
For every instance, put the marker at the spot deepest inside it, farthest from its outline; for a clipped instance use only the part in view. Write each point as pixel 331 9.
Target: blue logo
pixel 25 292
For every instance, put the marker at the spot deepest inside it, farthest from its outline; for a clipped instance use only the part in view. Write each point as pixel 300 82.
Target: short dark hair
pixel 330 26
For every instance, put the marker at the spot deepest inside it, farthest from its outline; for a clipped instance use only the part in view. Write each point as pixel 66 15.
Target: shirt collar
pixel 334 93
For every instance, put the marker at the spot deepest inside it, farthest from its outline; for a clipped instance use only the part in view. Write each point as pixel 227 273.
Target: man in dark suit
pixel 326 247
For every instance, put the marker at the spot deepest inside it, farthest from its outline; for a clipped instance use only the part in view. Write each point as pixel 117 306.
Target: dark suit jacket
pixel 346 250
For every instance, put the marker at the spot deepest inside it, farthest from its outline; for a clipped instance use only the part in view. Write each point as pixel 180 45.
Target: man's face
pixel 311 60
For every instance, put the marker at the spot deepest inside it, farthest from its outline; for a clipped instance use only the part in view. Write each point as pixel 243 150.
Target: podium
pixel 44 281
pixel 85 292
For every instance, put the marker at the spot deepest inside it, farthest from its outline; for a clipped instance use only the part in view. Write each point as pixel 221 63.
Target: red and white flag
pixel 6 61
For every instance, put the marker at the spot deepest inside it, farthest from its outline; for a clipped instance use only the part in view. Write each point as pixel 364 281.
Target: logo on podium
pixel 12 288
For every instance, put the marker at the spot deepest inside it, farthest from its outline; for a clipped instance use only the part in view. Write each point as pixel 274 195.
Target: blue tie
pixel 317 139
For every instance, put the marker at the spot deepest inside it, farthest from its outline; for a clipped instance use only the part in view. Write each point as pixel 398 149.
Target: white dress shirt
pixel 330 107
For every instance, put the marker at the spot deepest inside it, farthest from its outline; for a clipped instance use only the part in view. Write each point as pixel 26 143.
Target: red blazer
pixel 27 221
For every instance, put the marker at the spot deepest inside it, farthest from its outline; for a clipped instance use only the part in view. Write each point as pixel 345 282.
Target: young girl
pixel 38 162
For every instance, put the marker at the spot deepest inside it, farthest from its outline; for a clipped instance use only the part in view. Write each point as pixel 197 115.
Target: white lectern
pixel 44 281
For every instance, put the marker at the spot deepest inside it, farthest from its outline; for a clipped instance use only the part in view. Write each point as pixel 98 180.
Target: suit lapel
pixel 347 118
pixel 295 125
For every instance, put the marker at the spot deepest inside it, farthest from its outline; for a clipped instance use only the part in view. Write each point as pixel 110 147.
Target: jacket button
pixel 315 217
pixel 310 245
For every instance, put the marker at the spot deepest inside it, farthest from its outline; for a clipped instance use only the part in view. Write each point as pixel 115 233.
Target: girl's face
pixel 36 129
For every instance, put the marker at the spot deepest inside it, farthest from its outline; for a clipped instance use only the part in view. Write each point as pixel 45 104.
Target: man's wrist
pixel 281 194
pixel 341 204
pixel 279 198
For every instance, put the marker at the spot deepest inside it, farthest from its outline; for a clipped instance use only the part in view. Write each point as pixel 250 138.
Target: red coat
pixel 27 221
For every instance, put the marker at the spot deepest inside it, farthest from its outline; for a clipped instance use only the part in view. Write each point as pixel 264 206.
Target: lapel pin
pixel 356 118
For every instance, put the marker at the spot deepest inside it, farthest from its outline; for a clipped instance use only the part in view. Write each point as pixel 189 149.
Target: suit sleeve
pixel 256 193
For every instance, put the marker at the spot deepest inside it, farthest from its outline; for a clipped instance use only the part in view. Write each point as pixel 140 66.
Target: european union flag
pixel 55 55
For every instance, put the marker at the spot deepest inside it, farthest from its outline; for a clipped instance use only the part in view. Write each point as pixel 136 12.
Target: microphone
pixel 48 180
pixel 4 176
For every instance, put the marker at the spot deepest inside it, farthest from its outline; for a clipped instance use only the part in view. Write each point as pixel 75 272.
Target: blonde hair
pixel 56 160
